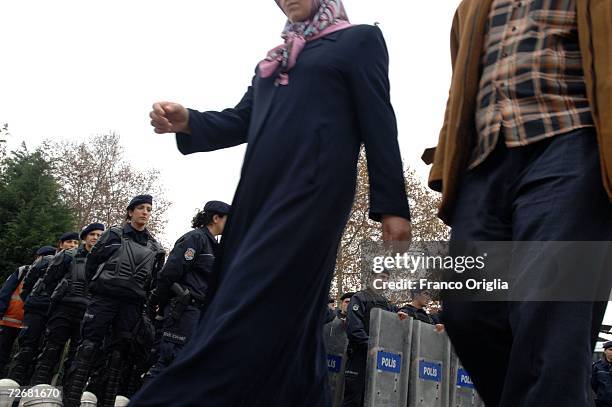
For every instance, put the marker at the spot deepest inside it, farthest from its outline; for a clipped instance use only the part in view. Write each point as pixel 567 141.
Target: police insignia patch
pixel 355 307
pixel 189 254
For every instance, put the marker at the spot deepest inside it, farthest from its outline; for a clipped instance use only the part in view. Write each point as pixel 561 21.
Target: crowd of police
pixel 104 310
pixel 354 312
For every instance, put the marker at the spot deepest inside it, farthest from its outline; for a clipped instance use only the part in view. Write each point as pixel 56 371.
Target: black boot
pixel 20 372
pixel 79 373
pixel 114 377
pixel 47 361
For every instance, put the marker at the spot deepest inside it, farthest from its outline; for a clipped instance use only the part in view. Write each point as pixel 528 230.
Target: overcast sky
pixel 74 69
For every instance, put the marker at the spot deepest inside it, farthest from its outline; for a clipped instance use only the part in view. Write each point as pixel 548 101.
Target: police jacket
pixel 419 314
pixel 601 380
pixel 124 262
pixel 66 278
pixel 34 292
pixel 9 286
pixel 358 316
pixel 190 264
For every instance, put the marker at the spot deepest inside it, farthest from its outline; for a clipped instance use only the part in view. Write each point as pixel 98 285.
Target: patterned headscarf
pixel 327 16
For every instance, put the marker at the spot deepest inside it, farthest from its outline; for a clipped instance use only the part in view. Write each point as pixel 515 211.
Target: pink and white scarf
pixel 327 17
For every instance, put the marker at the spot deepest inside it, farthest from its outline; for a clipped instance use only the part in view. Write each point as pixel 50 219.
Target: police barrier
pixel 334 335
pixel 462 390
pixel 429 367
pixel 388 354
pixel 41 395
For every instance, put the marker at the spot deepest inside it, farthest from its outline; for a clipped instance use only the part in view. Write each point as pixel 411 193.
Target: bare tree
pixel 360 229
pixel 98 182
pixel 4 133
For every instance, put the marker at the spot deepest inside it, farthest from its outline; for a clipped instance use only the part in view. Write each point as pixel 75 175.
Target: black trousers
pixel 175 335
pixel 29 341
pixel 8 335
pixel 354 378
pixel 64 325
pixel 117 314
pixel 525 354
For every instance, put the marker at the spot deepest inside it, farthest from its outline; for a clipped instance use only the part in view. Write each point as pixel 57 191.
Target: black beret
pixel 140 199
pixel 607 345
pixel 217 207
pixel 330 300
pixel 90 228
pixel 69 236
pixel 347 295
pixel 45 251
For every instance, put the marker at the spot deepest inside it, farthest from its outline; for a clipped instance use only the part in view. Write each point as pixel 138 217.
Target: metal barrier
pixel 429 367
pixel 388 352
pixel 334 336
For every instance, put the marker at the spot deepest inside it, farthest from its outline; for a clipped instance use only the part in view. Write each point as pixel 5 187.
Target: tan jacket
pixel 458 132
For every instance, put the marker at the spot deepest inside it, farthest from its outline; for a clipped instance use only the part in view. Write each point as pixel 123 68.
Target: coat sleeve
pixel 35 272
pixel 216 130
pixel 355 329
pixel 594 377
pixel 369 83
pixel 181 258
pixel 7 290
pixel 56 271
pixel 435 175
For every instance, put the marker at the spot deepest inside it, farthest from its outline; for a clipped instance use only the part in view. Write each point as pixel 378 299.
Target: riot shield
pixel 462 390
pixel 429 367
pixel 388 360
pixel 334 336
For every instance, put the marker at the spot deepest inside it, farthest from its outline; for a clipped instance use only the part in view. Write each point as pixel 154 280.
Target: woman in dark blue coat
pixel 303 119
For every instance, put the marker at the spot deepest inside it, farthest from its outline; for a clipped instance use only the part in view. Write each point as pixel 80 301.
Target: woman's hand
pixel 168 117
pixel 396 229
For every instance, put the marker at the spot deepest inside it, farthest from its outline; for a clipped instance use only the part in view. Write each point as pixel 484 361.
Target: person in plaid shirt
pixel 525 154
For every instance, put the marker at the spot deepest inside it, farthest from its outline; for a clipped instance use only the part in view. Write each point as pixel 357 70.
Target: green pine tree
pixel 32 213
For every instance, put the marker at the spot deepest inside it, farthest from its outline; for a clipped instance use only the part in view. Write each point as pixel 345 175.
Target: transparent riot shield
pixel 429 367
pixel 462 390
pixel 334 335
pixel 388 360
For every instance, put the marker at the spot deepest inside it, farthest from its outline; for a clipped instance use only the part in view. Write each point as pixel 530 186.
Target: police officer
pixel 67 281
pixel 121 266
pixel 36 306
pixel 11 308
pixel 342 310
pixel 601 379
pixel 358 332
pixel 330 310
pixel 186 277
pixel 416 307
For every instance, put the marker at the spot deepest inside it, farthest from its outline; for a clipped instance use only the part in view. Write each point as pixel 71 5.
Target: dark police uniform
pixel 358 332
pixel 121 266
pixel 36 307
pixel 190 265
pixel 419 314
pixel 67 280
pixel 601 380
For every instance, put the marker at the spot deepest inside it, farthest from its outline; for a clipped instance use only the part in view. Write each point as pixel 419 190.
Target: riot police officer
pixel 186 277
pixel 121 266
pixel 67 281
pixel 36 307
pixel 601 378
pixel 358 332
pixel 342 310
pixel 416 307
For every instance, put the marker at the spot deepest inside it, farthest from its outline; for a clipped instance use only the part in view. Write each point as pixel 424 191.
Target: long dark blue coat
pixel 260 341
